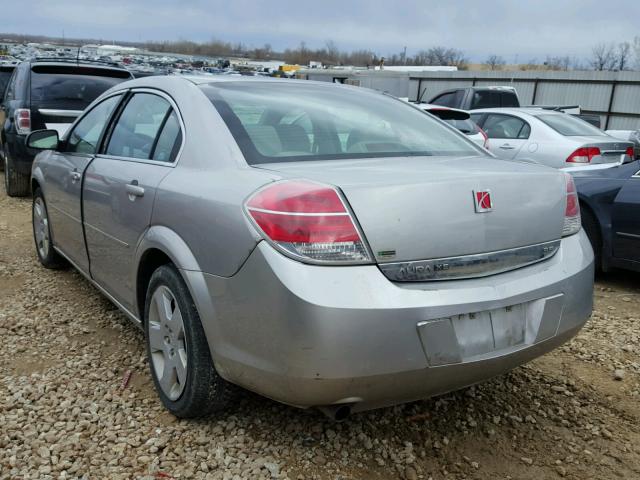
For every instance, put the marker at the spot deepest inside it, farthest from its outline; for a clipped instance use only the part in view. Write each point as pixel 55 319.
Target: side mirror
pixel 43 140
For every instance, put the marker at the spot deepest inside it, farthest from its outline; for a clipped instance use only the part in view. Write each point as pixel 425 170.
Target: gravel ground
pixel 64 412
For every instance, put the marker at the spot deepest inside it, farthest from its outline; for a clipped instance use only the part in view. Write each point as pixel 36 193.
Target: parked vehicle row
pixel 46 93
pixel 322 245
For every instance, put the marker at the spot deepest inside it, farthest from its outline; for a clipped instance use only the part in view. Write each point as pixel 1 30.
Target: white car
pixel 458 119
pixel 548 137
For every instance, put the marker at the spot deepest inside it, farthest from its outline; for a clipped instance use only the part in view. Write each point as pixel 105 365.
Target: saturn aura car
pixel 323 245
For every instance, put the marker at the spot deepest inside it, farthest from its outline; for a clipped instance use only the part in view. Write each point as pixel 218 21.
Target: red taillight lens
pixel 583 155
pixel 629 151
pixel 486 138
pixel 308 221
pixel 23 121
pixel 572 208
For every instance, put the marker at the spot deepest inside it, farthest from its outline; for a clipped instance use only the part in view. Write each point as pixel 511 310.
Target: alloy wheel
pixel 167 342
pixel 41 227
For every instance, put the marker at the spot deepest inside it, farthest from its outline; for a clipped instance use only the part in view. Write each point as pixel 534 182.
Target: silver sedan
pixel 322 245
pixel 548 137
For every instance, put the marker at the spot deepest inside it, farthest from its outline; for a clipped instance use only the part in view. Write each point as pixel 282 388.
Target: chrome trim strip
pixel 136 321
pixel 628 235
pixel 469 266
pixel 60 113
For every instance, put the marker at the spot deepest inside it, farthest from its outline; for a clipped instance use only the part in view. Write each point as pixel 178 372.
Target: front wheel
pixel 47 255
pixel 178 352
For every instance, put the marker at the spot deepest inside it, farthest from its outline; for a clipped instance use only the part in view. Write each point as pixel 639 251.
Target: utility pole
pixel 404 55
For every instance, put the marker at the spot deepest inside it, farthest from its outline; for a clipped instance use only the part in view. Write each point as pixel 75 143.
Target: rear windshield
pixel 5 75
pixel 72 88
pixel 493 99
pixel 287 122
pixel 570 126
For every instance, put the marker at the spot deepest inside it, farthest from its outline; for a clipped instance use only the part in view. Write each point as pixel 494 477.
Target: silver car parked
pixel 322 245
pixel 548 137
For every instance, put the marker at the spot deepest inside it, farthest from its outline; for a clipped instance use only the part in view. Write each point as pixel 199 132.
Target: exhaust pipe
pixel 337 413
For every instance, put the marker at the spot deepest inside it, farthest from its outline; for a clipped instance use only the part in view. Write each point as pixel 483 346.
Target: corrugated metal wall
pixel 615 96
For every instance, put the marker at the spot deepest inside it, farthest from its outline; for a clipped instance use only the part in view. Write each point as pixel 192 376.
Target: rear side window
pixel 570 126
pixel 506 126
pixel 71 87
pixel 449 99
pixel 86 134
pixel 485 99
pixel 169 140
pixel 5 75
pixel 136 130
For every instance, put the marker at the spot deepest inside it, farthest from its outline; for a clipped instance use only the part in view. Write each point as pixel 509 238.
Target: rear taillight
pixel 485 144
pixel 629 152
pixel 583 155
pixel 23 121
pixel 308 221
pixel 572 208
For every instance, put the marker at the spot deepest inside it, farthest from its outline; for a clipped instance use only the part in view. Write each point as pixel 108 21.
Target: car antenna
pixel 78 54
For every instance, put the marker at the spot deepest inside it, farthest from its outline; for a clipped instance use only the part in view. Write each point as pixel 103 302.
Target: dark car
pixel 610 208
pixel 471 98
pixel 44 93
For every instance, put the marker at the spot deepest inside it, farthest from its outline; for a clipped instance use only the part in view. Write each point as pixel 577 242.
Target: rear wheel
pixel 179 358
pixel 592 229
pixel 15 183
pixel 48 257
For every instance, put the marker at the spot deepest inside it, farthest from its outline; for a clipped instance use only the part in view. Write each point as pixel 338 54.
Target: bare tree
pixel 558 63
pixel 623 56
pixel 636 49
pixel 495 62
pixel 603 57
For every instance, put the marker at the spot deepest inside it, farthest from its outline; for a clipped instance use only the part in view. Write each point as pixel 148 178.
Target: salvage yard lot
pixel 66 412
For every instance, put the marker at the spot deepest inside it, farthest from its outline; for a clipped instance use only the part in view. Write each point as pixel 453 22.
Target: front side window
pixel 285 122
pixel 569 126
pixel 445 100
pixel 506 126
pixel 137 127
pixel 86 134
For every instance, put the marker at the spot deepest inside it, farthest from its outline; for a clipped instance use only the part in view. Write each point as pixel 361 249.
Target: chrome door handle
pixel 75 176
pixel 506 146
pixel 135 190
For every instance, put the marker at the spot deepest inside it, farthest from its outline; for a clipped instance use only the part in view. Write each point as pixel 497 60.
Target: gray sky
pixel 478 27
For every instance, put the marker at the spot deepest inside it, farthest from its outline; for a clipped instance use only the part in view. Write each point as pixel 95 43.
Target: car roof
pixel 75 62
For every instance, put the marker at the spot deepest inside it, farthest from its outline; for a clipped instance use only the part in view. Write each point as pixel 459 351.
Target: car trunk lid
pixel 419 208
pixel 611 149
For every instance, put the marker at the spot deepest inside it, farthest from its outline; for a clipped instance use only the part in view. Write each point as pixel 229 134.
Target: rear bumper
pixel 309 335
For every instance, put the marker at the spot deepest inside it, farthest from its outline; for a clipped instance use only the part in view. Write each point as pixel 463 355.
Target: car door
pixel 507 134
pixel 63 180
pixel 120 186
pixel 626 220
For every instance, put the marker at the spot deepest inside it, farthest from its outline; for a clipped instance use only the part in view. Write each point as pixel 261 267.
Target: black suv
pixel 46 93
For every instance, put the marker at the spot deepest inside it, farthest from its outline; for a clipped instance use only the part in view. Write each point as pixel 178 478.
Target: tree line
pixel 604 56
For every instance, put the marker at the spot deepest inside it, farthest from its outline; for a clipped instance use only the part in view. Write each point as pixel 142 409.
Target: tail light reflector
pixel 486 138
pixel 583 155
pixel 629 152
pixel 23 120
pixel 572 208
pixel 307 221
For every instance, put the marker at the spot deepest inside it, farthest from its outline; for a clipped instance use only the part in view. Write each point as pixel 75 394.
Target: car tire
pixel 592 229
pixel 15 183
pixel 47 255
pixel 177 349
